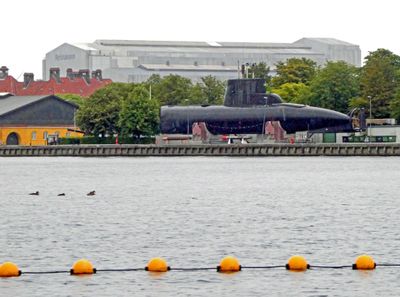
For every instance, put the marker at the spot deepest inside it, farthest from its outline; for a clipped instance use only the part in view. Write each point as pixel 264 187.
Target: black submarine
pixel 246 110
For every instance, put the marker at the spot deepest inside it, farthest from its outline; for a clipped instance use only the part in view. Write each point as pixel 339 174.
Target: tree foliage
pixel 395 105
pixel 211 90
pixel 380 80
pixel 78 100
pixel 100 113
pixel 334 86
pixel 139 114
pixel 359 102
pixel 294 70
pixel 294 92
pixel 171 89
pixel 178 90
pixel 260 70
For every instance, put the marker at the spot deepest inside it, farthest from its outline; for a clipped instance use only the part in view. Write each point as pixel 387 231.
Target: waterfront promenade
pixel 239 150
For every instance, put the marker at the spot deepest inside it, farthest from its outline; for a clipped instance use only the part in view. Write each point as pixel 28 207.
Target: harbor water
pixel 193 211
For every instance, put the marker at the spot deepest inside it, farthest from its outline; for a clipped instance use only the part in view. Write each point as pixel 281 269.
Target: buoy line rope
pixel 227 264
pixel 45 272
pixel 120 269
pixel 203 268
pixel 193 269
pixel 263 267
pixel 330 267
pixel 141 269
pixel 97 270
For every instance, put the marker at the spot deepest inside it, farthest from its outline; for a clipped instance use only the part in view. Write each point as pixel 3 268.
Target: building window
pixel 68 134
pixel 45 134
pixel 33 135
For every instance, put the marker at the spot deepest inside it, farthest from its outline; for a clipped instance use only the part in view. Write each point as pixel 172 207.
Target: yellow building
pixel 36 120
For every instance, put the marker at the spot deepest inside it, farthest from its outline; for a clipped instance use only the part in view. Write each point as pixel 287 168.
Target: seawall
pixel 238 150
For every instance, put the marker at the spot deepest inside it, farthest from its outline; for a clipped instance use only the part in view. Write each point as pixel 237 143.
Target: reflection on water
pixel 193 212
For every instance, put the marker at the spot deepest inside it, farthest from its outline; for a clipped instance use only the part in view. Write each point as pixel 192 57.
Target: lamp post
pixel 370 117
pixel 187 118
pixel 265 111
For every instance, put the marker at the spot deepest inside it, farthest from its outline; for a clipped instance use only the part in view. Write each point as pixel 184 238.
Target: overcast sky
pixel 30 28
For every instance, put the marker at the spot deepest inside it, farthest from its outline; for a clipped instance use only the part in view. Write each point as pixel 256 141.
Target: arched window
pixel 33 135
pixel 12 139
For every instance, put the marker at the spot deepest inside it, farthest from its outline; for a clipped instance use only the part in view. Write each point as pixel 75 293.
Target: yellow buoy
pixel 364 262
pixel 8 269
pixel 157 265
pixel 297 263
pixel 229 264
pixel 82 266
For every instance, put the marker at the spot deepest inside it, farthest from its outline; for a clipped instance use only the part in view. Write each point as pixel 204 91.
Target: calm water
pixel 193 212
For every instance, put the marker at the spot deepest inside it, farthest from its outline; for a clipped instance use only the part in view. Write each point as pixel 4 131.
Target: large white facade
pixel 135 61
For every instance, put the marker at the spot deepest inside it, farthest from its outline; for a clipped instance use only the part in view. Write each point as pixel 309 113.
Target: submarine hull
pixel 250 120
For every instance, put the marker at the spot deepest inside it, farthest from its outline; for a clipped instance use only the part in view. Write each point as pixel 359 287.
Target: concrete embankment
pixel 239 150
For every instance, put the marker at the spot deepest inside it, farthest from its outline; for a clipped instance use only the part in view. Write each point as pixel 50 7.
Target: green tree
pixel 380 80
pixel 197 96
pixel 171 89
pixel 260 70
pixel 334 86
pixel 152 84
pixel 359 102
pixel 99 114
pixel 294 70
pixel 178 90
pixel 78 100
pixel 294 92
pixel 139 114
pixel 154 79
pixel 395 105
pixel 213 90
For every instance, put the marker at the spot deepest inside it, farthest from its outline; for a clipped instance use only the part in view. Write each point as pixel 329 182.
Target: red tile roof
pixel 78 86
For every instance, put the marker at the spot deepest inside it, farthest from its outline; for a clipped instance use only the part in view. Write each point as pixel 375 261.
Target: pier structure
pixel 209 150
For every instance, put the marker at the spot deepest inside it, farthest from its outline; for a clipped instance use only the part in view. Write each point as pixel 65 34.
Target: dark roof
pixel 11 103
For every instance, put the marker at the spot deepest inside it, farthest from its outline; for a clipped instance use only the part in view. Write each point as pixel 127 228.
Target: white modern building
pixel 135 61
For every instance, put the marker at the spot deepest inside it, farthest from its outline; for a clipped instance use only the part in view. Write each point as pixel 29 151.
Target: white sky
pixel 32 28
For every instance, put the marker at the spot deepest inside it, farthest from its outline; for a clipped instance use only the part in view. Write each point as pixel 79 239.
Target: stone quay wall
pixel 235 150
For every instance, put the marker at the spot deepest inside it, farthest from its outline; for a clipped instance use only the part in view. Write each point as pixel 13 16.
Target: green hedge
pixel 105 140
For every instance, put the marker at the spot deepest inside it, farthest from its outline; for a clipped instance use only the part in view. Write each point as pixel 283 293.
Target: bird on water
pixel 35 193
pixel 91 193
pixel 62 194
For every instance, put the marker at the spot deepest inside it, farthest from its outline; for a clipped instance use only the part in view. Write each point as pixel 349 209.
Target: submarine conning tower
pixel 248 92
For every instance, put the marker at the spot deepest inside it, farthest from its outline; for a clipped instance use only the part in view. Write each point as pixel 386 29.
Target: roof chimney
pixel 28 77
pixel 96 74
pixel 3 72
pixel 85 74
pixel 55 74
pixel 69 73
